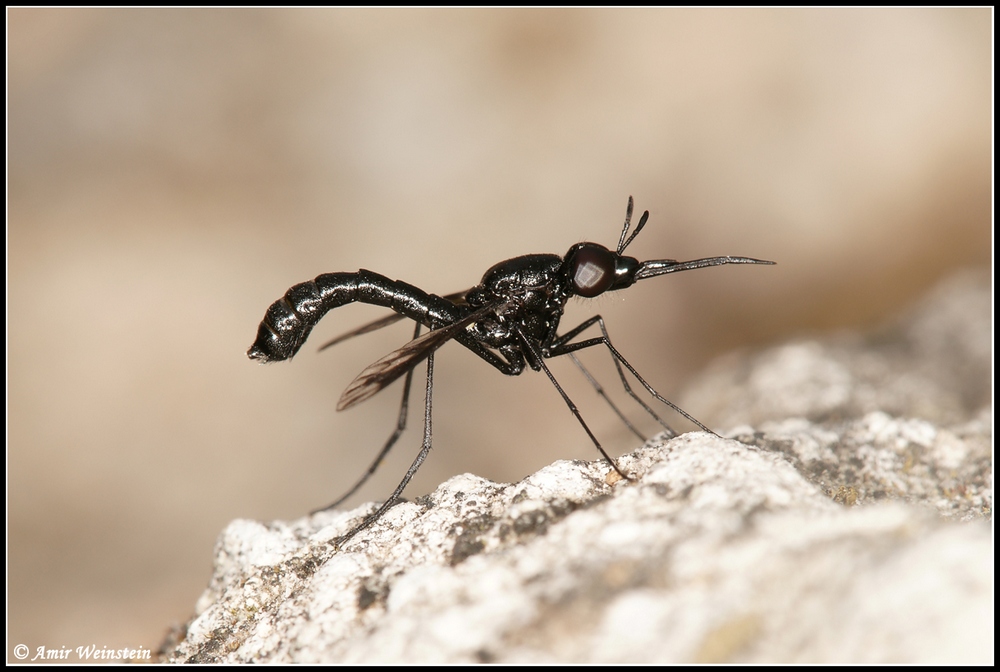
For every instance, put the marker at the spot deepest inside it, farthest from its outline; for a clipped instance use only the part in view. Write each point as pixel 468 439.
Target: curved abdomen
pixel 288 321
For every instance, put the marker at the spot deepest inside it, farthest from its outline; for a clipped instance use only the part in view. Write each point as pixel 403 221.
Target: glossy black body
pixel 510 319
pixel 529 292
pixel 287 323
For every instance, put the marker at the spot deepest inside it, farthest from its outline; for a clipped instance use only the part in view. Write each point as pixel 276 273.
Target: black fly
pixel 509 319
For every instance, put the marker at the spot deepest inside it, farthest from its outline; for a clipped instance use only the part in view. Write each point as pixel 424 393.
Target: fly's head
pixel 591 269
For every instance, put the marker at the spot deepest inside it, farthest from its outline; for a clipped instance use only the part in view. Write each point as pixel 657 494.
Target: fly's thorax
pixel 529 271
pixel 528 292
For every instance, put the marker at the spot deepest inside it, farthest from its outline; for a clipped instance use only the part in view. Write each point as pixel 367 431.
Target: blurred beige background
pixel 173 172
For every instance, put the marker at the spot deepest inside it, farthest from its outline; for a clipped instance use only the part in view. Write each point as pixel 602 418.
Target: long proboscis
pixel 651 269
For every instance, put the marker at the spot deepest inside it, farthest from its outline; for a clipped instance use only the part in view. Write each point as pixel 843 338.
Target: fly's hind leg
pixel 400 426
pixel 421 456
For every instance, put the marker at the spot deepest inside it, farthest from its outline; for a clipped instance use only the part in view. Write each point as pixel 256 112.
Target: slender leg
pixel 649 388
pixel 600 390
pixel 561 347
pixel 421 456
pixel 572 407
pixel 400 426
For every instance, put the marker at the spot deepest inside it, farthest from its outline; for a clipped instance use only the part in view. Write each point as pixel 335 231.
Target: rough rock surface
pixel 850 524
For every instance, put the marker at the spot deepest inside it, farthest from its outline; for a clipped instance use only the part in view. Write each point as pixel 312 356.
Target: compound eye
pixel 592 270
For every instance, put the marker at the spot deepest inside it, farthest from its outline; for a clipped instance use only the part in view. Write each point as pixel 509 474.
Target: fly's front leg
pixel 561 346
pixel 400 426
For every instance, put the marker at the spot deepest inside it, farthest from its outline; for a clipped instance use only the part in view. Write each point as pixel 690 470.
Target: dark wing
pixel 458 298
pixel 383 372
